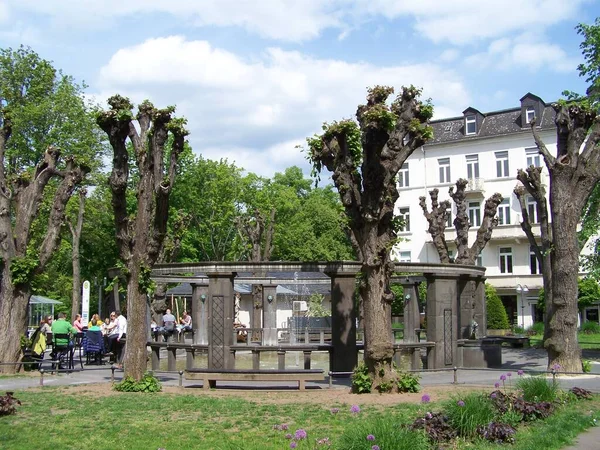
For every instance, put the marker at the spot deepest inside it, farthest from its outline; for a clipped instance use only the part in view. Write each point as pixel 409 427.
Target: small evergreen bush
pixel 148 383
pixel 590 328
pixel 496 314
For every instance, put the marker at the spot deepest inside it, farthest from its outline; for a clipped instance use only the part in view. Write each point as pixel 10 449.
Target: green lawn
pixel 586 341
pixel 67 419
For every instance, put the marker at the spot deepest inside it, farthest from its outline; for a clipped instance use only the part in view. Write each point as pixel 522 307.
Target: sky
pixel 254 78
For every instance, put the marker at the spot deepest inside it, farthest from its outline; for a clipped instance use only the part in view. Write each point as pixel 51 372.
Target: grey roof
pixel 495 123
pixel 38 299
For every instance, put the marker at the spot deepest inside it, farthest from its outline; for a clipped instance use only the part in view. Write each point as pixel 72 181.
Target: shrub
pixel 361 380
pixel 590 328
pixel 586 365
pixel 496 314
pixel 437 426
pixel 148 383
pixel 469 413
pixel 387 434
pixel 518 330
pixel 499 433
pixel 408 382
pixel 532 410
pixel 581 393
pixel 538 389
pixel 8 404
pixel 536 328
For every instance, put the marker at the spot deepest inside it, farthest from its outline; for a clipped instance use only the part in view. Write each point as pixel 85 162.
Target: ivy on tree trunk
pixel 140 235
pixel 364 159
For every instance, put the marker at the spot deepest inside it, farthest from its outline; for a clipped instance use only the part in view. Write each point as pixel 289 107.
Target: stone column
pixel 344 356
pixel 269 334
pixel 471 306
pixel 480 307
pixel 220 319
pixel 442 321
pixel 200 313
pixel 411 311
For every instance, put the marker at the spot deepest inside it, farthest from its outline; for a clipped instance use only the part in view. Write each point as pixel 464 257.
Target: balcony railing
pixel 475 185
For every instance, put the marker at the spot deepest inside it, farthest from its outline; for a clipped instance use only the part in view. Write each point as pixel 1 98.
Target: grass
pixel 586 341
pixel 538 389
pixel 69 419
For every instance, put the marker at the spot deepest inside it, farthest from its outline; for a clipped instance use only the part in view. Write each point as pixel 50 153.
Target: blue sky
pixel 256 77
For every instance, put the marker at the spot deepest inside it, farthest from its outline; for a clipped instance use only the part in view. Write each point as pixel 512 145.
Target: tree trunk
pixel 379 351
pixel 136 355
pixel 561 335
pixel 13 320
pixel 76 235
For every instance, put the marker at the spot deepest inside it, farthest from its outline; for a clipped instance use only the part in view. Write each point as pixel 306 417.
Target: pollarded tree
pixel 140 234
pixel 42 115
pixel 365 159
pixel 574 173
pixel 438 219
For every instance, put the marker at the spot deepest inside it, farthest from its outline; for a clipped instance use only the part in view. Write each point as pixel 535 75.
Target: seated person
pixel 61 326
pixel 169 324
pixel 78 323
pixel 185 322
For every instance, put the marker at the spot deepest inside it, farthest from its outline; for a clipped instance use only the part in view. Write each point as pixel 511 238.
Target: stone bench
pixel 210 377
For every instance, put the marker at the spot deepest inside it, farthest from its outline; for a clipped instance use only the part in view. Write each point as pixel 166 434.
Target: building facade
pixel 487 149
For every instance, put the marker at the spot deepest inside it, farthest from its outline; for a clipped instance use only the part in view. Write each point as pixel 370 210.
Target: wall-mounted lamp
pixel 407 297
pixel 203 298
pixel 269 298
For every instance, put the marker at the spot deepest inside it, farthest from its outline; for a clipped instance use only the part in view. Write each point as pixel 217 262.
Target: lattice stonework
pixel 448 336
pixel 218 332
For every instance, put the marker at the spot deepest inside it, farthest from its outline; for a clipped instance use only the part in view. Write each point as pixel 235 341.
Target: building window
pixel 444 164
pixel 479 261
pixel 449 223
pixel 474 214
pixel 532 210
pixel 451 255
pixel 534 264
pixel 403 176
pixel 504 212
pixel 404 214
pixel 506 265
pixel 501 164
pixel 404 257
pixel 471 124
pixel 529 114
pixel 472 167
pixel 533 157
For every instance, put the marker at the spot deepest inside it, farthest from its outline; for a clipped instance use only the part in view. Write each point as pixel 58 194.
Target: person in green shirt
pixel 61 326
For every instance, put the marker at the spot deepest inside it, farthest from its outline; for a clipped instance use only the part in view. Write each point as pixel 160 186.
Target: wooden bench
pixel 210 377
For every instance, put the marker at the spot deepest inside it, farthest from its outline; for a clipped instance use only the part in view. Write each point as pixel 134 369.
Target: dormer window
pixel 529 114
pixel 470 124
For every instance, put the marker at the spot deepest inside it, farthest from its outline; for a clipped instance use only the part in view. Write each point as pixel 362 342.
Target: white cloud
pixel 525 51
pixel 449 55
pixel 455 21
pixel 4 12
pixel 238 107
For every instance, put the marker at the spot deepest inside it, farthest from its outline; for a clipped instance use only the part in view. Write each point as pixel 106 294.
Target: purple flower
pixel 300 434
pixel 493 395
pixel 496 385
pixel 375 447
pixel 460 403
pixel 335 410
pixel 355 409
pixel 370 437
pixel 429 415
pixel 426 398
pixel 520 373
pixel 509 374
pixel 288 436
pixel 502 377
pixel 293 444
pixel 284 426
pixel 556 367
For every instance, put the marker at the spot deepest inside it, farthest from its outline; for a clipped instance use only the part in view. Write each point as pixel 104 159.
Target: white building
pixel 487 149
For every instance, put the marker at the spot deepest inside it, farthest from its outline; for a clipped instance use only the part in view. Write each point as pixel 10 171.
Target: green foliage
pixel 496 313
pixel 145 284
pixel 387 433
pixel 22 269
pixel 148 383
pixel 586 365
pixel 315 306
pixel 469 412
pixel 361 380
pixel 590 328
pixel 536 328
pixel 25 341
pixel 538 389
pixel 590 47
pixel 408 382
